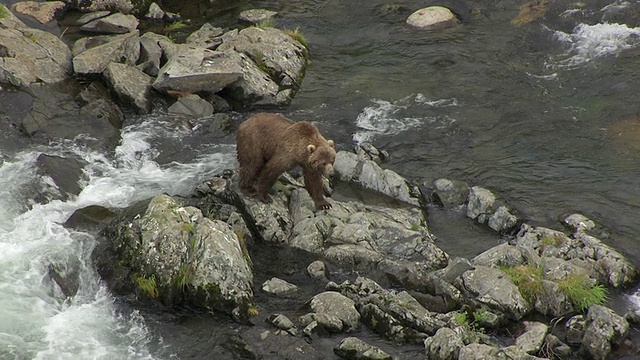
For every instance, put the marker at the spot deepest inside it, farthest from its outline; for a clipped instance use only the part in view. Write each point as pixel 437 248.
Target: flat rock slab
pixel 42 12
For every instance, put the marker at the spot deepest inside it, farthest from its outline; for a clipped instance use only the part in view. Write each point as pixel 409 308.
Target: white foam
pixel 386 118
pixel 589 42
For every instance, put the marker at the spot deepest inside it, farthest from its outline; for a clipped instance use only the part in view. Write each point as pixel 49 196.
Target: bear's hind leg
pixel 248 178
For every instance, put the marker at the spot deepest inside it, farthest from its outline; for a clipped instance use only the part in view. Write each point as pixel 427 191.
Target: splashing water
pixel 589 42
pixel 388 118
pixel 37 320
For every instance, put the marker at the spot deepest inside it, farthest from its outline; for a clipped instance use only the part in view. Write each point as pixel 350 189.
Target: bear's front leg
pixel 313 183
pixel 267 178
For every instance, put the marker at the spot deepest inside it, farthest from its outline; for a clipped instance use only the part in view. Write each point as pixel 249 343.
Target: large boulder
pixel 29 55
pixel 604 330
pixel 92 55
pixel 163 250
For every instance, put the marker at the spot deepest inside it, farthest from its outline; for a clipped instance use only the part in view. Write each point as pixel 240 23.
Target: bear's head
pixel 321 158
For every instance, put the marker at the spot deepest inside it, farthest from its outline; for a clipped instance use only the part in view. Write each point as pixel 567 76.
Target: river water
pixel 544 114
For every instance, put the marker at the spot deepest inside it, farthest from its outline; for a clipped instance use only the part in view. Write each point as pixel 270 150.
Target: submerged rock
pixel 433 18
pixel 352 348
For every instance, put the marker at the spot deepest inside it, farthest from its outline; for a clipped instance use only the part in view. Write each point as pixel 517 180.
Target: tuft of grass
pixel 461 319
pixel 253 311
pixel 258 59
pixel 265 24
pixel 581 294
pixel 147 285
pixel 175 26
pixel 4 12
pixel 528 279
pixel 298 36
pixel 481 316
pixel 555 240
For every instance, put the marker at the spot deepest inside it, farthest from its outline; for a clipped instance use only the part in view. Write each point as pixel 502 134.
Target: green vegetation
pixel 258 59
pixel 175 26
pixel 581 294
pixel 528 279
pixel 4 12
pixel 147 285
pixel 554 240
pixel 265 24
pixel 482 316
pixel 298 36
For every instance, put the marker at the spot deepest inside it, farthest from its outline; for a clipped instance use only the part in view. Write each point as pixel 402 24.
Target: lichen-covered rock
pixel 30 55
pixel 352 348
pixel 532 338
pixel 91 55
pixel 164 250
pixel 368 174
pixel 42 12
pixel 335 312
pixel 492 288
pixel 604 330
pixel 444 345
pixel 131 85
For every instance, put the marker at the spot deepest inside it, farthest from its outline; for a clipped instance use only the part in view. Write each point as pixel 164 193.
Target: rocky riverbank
pixel 373 267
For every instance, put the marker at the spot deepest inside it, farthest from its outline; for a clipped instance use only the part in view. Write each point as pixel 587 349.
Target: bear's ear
pixel 311 148
pixel 330 142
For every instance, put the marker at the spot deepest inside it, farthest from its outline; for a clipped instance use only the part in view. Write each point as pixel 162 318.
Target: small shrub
pixel 581 294
pixel 175 26
pixel 528 279
pixel 461 319
pixel 554 240
pixel 298 36
pixel 147 285
pixel 265 24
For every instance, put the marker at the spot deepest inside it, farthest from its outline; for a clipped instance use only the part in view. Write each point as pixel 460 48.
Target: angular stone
pixel 131 85
pixel 42 12
pixel 195 69
pixel 191 105
pixel 93 54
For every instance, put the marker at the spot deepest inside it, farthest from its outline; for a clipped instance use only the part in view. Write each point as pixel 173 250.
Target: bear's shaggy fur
pixel 270 144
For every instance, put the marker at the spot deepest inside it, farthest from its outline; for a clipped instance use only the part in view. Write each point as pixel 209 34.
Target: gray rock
pixel 371 176
pixel 117 23
pixel 501 255
pixel 279 287
pixel 601 262
pixel 366 151
pixel 151 53
pixel 531 340
pixel 480 204
pixel 283 323
pixel 155 12
pixel 433 18
pixel 451 193
pixel 444 345
pixel 220 125
pixel 456 267
pixel 123 6
pixel 207 36
pixel 477 351
pixel 43 12
pixel 193 69
pixel 86 18
pixel 175 254
pixel 557 347
pixel 256 16
pixel 352 348
pixel 65 173
pixel 318 270
pixel 579 222
pixel 335 312
pixel 502 221
pixel 604 329
pixel 35 55
pixel 91 55
pixel 131 85
pixel 104 109
pixel 191 105
pixel 575 328
pixel 493 288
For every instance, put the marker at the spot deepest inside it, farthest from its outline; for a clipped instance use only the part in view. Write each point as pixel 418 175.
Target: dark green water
pixel 544 114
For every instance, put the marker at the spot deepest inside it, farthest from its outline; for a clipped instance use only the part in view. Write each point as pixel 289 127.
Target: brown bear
pixel 270 144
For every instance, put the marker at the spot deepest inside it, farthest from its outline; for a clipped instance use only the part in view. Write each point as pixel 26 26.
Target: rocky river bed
pixel 212 274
